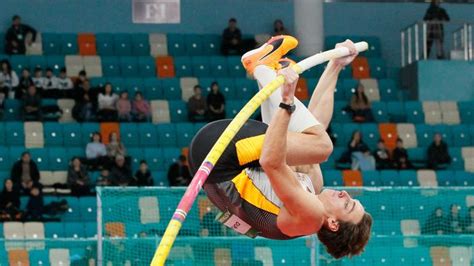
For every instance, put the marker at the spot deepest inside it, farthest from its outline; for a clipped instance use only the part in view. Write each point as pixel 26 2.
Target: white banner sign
pixel 156 11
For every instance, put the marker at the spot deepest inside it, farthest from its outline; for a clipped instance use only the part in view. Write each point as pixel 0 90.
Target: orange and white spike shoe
pixel 285 62
pixel 269 53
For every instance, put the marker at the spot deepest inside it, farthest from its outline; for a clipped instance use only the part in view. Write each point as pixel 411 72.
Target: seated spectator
pixel 382 156
pixel 50 89
pixel 107 104
pixel 197 106
pixel 8 81
pixel 121 174
pixel 82 77
pixel 32 105
pixel 25 82
pixel 35 206
pixel 279 28
pixel 115 147
pixel 436 223
pixel 231 39
pixel 400 158
pixel 178 173
pixel 17 37
pixel 85 108
pixel 64 82
pixel 469 221
pixel 437 153
pixel 360 106
pixel 78 178
pixel 38 79
pixel 9 202
pixel 124 107
pixel 96 152
pixel 143 175
pixel 141 109
pixel 358 154
pixel 215 103
pixel 454 220
pixel 25 173
pixel 104 178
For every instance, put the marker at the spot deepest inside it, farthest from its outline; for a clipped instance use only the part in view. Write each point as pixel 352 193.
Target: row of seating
pixel 51 256
pixel 48 230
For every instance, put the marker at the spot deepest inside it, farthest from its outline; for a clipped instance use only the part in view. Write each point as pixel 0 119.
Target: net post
pixel 99 228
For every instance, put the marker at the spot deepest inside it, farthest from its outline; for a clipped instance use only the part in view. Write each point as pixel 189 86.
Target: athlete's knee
pixel 321 143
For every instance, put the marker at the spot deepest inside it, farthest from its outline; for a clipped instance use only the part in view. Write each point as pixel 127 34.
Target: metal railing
pixel 417 38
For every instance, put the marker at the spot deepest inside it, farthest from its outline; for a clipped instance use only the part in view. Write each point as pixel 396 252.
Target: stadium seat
pixel 154 157
pixel 187 87
pixel 166 135
pixel 460 255
pixel 340 114
pixel 140 44
pixel 129 134
pixel 414 112
pixel 14 153
pixel 446 178
pixel 352 178
pixel 59 256
pixel 201 66
pixel 360 68
pixel 427 178
pixel 246 88
pixel 39 257
pixel 184 134
pixel 227 88
pixel 408 178
pixel 236 69
pixel 440 255
pixel 93 66
pixel 183 66
pixel 153 89
pixel 218 66
pixel 348 87
pixel 332 178
pixel 90 229
pixel 15 135
pixel 72 134
pixel 12 110
pixel 390 178
pixel 148 135
pixel 388 132
pixel 13 231
pixel 160 111
pixel 457 161
pixel 18 257
pixel 165 67
pixel 176 44
pixel 466 112
pixel 178 111
pixel 51 43
pixel 40 157
pixel 34 230
pixel 211 44
pixel 464 178
pixel 396 111
pixel 450 117
pixel 379 111
pixel 87 44
pixel 371 89
pixel 371 178
pixel 158 44
pixel 56 63
pixel 370 133
pixel 74 230
pixel 110 66
pixel 2 134
pixel 193 44
pixel 129 66
pixel 122 44
pixel 407 133
pixel 86 132
pixel 88 208
pixel 105 44
pixel 34 137
pixel 58 159
pixel 132 86
pixel 146 67
pixel 377 68
pixel 232 108
pixel 54 230
pixel 36 61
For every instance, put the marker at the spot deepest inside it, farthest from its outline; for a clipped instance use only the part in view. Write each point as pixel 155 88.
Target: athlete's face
pixel 340 206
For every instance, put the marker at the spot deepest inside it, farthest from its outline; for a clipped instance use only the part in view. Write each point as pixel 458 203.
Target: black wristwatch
pixel 290 108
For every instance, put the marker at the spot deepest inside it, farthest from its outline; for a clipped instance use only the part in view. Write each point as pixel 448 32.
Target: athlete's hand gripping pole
pixel 221 144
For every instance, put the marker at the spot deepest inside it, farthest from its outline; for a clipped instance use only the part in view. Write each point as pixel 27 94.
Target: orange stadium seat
pixel 388 132
pixel 107 128
pixel 302 90
pixel 115 229
pixel 87 44
pixel 360 68
pixel 165 67
pixel 222 257
pixel 352 178
pixel 18 257
pixel 440 256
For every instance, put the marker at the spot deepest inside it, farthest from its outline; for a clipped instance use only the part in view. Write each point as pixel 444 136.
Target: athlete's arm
pixel 314 172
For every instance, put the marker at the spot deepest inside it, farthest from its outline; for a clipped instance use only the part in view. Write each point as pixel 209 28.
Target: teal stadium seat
pixel 389 178
pixel 132 86
pixel 15 135
pixel 375 48
pixel 2 134
pixel 122 44
pixel 193 44
pixel 148 135
pixel 166 135
pixel 129 134
pixel 446 178
pixel 396 112
pixel 55 62
pixel 424 135
pixel 104 44
pixel 218 66
pixel 39 257
pixel 201 66
pixel 12 110
pixel 176 44
pixel 346 72
pixel 463 178
pixel 153 89
pixel 154 157
pixel 178 111
pixel 51 43
pixel 466 111
pixel 74 230
pixel 445 132
pixel 4 56
pixel 339 90
pixel 98 82
pixel 314 72
pixel 457 161
pixel 349 86
pixel 379 111
pixel 118 84
pixel 54 230
pixel 146 66
pixel 227 88
pixel 76 151
pixel 86 132
pixel 233 108
pixel 184 134
pixel 378 68
pixel 417 156
pixel 332 178
pixel 211 44
pixel 348 129
pixel 18 62
pixel 170 155
pixel 388 89
pixel 205 83
pixel 183 66
pixel 129 66
pixel 90 229
pixel 408 178
pixel 41 158
pixel 137 155
pixel 72 134
pixel 171 89
pixel 69 44
pixel 340 115
pixel 160 178
pixel 370 133
pixel 110 66
pixel 245 88
pixel 88 208
pixel 414 112
pixel 5 164
pixel 140 44
pixel 36 61
pixel 371 178
pixel 461 136
pixel 336 132
pixel 14 153
pixel 235 67
pixel 73 214
pixel 58 159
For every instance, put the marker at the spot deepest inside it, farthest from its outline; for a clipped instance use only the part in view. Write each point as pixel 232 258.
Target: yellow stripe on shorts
pixel 249 149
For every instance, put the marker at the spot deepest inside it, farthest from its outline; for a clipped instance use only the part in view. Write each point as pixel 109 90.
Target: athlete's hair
pixel 349 240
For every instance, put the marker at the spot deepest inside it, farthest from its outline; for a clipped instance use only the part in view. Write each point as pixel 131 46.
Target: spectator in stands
pixel 436 223
pixel 454 220
pixel 437 153
pixel 121 174
pixel 38 79
pixel 78 178
pixel 197 106
pixel 115 147
pixel 358 153
pixel 469 221
pixel 8 80
pixel 382 156
pixel 178 173
pixel 143 175
pixel 82 77
pixel 9 202
pixel 141 109
pixel 96 152
pixel 107 104
pixel 64 82
pixel 435 16
pixel 279 28
pixel 400 158
pixel 85 108
pixel 231 39
pixel 360 106
pixel 124 108
pixel 32 105
pixel 17 37
pixel 50 89
pixel 25 173
pixel 25 82
pixel 104 178
pixel 215 103
pixel 35 206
